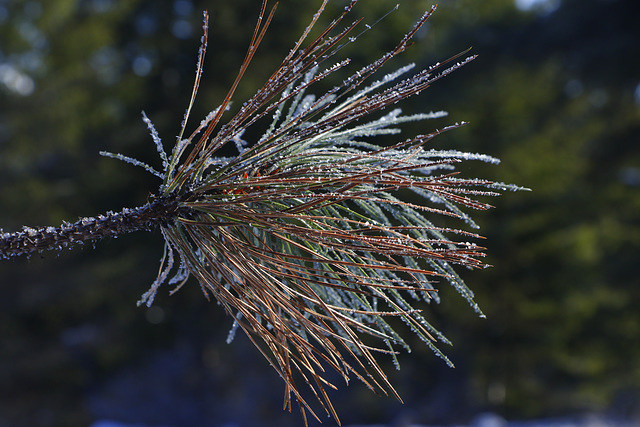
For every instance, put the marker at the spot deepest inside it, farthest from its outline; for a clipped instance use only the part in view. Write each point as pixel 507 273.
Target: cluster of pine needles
pixel 313 238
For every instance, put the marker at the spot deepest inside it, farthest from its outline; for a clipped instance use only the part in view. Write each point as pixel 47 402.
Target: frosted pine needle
pixel 303 237
pixel 314 235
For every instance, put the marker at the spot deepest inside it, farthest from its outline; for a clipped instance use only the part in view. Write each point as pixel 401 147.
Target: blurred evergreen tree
pixel 559 105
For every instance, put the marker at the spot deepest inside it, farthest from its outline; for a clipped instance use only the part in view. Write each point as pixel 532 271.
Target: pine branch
pixel 314 235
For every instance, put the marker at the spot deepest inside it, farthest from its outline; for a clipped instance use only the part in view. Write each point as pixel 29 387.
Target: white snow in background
pixel 544 6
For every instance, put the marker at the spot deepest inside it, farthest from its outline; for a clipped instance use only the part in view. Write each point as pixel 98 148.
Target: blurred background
pixel 555 93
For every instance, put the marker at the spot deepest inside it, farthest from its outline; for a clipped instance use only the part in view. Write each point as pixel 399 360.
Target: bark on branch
pixel 161 211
